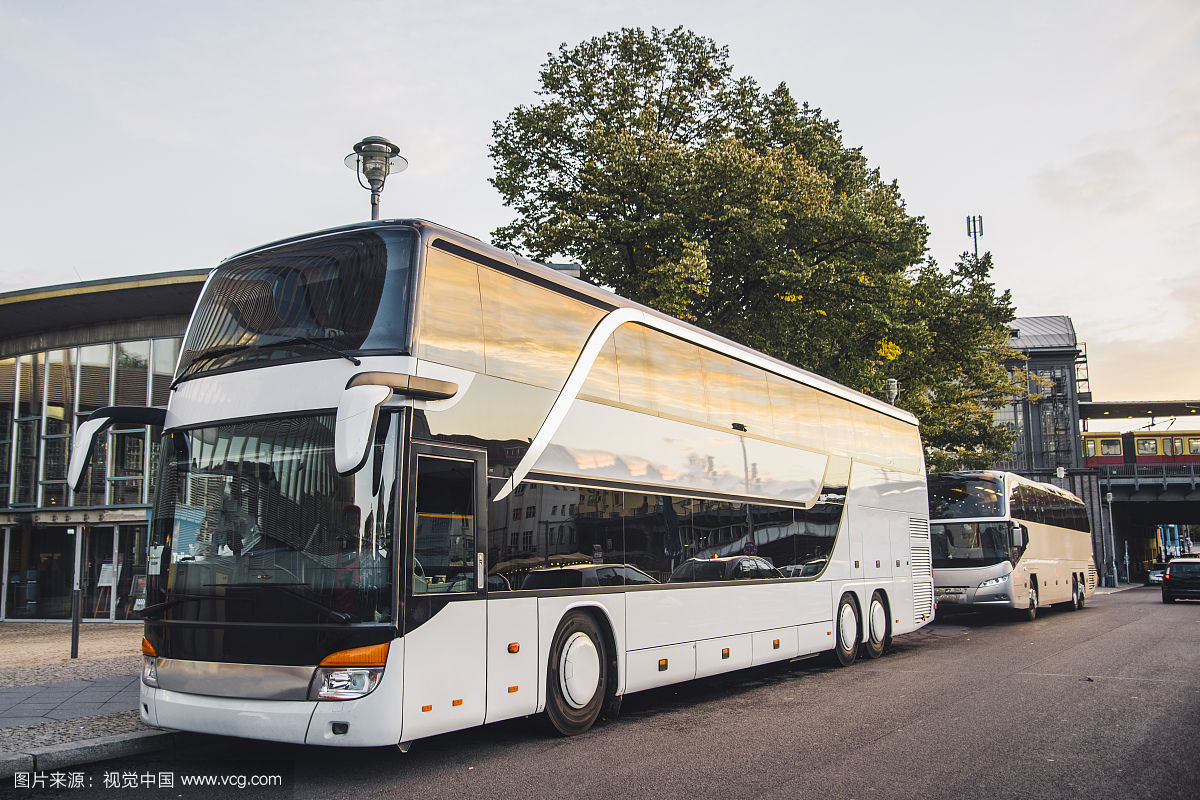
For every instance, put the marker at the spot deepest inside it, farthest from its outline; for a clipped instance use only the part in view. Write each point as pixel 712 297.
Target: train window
pixel 1194 447
pixel 1176 446
pixel 1110 447
pixel 1147 447
pixel 1091 448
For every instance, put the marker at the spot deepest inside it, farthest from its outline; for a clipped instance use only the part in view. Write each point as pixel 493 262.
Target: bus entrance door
pixel 445 611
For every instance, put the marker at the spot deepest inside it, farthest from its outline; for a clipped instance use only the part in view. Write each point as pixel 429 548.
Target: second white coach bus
pixel 409 483
pixel 1004 541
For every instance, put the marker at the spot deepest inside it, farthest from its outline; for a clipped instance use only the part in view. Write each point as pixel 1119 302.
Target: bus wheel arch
pixel 878 635
pixel 580 671
pixel 847 630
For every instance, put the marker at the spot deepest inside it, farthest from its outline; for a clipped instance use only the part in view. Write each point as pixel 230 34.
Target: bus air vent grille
pixel 922 601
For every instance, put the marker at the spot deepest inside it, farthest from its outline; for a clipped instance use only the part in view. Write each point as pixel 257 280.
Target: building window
pixel 530 512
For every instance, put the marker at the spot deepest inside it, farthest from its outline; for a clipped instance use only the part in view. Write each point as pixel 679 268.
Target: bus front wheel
pixel 1030 613
pixel 577 675
pixel 847 634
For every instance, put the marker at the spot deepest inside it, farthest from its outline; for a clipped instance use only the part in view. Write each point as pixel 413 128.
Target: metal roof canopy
pixel 1147 409
pixel 34 311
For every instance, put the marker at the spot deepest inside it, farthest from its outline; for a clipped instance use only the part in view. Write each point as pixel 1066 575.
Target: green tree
pixel 691 190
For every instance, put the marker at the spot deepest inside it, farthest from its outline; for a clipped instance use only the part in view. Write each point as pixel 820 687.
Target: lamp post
pixel 893 390
pixel 373 159
pixel 1112 538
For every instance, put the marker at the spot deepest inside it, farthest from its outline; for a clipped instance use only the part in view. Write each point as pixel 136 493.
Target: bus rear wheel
pixel 577 675
pixel 879 632
pixel 847 633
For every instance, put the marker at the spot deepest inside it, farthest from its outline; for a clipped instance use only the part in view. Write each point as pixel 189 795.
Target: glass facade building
pixel 64 352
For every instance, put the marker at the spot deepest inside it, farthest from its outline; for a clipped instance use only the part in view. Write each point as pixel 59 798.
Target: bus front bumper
pixel 353 723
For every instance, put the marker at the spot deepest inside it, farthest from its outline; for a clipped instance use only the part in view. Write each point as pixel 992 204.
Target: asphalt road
pixel 1099 703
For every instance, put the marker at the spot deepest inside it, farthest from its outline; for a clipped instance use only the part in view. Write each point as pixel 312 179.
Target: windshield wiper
pixel 319 343
pixel 332 613
pixel 289 342
pixel 152 611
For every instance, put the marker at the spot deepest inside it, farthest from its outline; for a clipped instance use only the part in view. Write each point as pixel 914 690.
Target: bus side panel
pixel 694 614
pixel 512 678
pixel 444 671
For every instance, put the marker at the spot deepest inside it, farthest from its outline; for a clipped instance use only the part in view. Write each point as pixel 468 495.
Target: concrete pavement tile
pixel 33 708
pixel 91 711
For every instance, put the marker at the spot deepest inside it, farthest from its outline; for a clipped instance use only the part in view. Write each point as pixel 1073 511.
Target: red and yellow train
pixel 1141 447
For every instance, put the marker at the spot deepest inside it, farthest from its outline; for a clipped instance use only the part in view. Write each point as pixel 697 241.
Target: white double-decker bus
pixel 409 483
pixel 1004 541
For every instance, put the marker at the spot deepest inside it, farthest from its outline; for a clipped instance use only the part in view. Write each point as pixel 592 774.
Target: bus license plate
pixel 951 594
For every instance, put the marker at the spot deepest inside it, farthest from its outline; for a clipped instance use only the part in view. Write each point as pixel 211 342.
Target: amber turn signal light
pixel 371 656
pixel 147 648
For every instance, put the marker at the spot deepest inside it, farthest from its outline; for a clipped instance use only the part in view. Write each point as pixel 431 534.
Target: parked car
pixel 1181 580
pixel 580 575
pixel 805 570
pixel 728 568
pixel 1155 575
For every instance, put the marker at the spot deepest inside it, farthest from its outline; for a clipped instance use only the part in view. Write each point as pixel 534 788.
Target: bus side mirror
pixel 1018 536
pixel 357 414
pixel 96 423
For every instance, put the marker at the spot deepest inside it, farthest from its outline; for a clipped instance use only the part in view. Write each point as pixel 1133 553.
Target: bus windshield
pixel 969 544
pixel 253 523
pixel 318 297
pixel 966 496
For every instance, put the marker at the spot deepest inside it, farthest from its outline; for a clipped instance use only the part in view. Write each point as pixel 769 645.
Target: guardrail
pixel 1152 473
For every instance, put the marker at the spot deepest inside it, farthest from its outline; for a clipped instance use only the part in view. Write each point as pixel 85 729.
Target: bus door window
pixel 444 547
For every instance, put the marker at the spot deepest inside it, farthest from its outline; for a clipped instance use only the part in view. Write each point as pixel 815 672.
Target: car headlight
pixel 344 683
pixel 994 581
pixel 150 671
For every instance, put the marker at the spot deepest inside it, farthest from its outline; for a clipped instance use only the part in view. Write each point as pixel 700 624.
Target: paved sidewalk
pixel 56 711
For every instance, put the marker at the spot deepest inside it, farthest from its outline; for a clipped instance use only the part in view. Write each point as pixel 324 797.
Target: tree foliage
pixel 692 190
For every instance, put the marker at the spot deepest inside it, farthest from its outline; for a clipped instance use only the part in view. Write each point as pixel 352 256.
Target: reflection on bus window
pixel 963 497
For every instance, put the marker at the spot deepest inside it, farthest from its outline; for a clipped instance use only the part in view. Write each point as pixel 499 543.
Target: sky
pixel 142 137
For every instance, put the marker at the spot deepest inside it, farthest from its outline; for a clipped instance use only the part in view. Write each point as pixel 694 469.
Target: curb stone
pixel 87 751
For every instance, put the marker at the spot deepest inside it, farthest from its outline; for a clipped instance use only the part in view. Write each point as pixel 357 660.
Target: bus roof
pixel 431 230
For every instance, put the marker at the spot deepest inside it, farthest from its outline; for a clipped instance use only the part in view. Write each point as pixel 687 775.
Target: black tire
pixel 1082 591
pixel 845 622
pixel 1076 594
pixel 577 675
pixel 1030 614
pixel 879 628
pixel 1168 599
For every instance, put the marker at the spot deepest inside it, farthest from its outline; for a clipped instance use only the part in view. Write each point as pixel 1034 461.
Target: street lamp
pixel 374 158
pixel 893 390
pixel 1112 538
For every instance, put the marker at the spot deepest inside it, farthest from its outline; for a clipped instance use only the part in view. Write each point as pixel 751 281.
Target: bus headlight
pixel 344 683
pixel 994 582
pixel 349 674
pixel 150 671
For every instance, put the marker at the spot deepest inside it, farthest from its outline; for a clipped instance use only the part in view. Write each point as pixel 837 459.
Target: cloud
pixel 1109 181
pixel 1141 368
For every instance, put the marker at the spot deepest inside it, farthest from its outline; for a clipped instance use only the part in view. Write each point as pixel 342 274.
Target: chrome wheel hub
pixel 579 670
